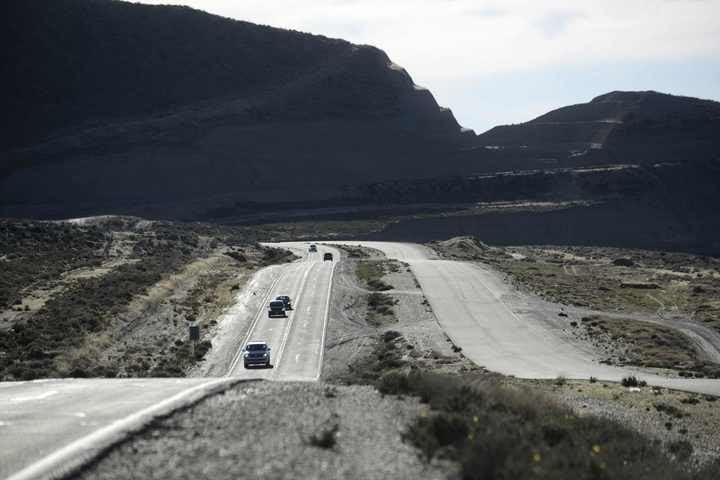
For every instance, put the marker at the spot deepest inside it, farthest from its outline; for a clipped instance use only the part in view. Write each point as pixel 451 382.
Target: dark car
pixel 276 309
pixel 286 300
pixel 327 256
pixel 256 354
pixel 313 248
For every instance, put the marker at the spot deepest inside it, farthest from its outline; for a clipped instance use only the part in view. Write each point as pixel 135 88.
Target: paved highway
pixel 482 315
pixel 296 342
pixel 38 418
pixel 48 423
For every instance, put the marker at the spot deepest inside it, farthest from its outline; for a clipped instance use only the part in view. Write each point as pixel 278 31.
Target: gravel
pixel 699 422
pixel 264 430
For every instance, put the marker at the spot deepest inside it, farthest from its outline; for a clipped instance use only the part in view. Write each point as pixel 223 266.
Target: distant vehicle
pixel 313 248
pixel 286 300
pixel 327 256
pixel 256 354
pixel 276 309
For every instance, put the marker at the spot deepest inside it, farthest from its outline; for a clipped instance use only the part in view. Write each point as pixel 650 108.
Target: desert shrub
pixel 272 255
pixel 237 256
pixel 381 303
pixel 326 438
pixel 378 285
pixel 65 320
pixel 670 410
pixel 42 251
pixel 632 381
pixel 682 449
pixel 498 432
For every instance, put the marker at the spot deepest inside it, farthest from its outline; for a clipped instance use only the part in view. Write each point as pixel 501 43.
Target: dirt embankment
pixel 277 430
pixel 115 296
pixel 379 310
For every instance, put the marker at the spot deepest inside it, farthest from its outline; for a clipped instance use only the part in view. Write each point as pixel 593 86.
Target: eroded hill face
pixel 642 128
pixel 168 111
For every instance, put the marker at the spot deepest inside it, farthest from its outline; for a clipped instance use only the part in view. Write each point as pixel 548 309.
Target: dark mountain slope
pixel 627 127
pixel 122 108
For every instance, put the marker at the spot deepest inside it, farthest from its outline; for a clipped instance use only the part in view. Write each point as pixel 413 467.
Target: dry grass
pixel 371 273
pixel 593 277
pixel 647 344
pixel 168 277
pixel 495 430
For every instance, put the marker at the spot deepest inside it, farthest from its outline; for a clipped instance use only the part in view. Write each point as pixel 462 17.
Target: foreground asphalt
pixel 505 334
pixel 38 418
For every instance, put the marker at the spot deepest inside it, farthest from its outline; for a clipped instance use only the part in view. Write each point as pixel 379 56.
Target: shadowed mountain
pixel 642 128
pixel 169 111
pixel 645 166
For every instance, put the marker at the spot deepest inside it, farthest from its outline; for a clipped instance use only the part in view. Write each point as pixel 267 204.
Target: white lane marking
pixel 261 311
pixel 327 314
pixel 30 398
pixel 297 358
pixel 2 424
pixel 67 459
pixel 80 414
pixel 290 322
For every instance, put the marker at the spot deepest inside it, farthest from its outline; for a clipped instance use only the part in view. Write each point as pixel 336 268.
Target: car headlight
pixel 264 355
pixel 245 355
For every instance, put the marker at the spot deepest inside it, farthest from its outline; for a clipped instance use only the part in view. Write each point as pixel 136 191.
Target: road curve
pixel 473 306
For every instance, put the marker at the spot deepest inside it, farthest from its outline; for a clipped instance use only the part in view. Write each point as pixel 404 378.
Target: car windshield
pixel 256 347
pixel 279 303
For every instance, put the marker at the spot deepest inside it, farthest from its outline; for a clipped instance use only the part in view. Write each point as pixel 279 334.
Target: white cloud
pixel 448 38
pixel 442 41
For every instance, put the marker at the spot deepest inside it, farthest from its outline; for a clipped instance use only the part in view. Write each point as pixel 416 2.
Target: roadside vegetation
pixel 493 427
pixel 371 274
pixel 646 344
pixel 115 297
pixel 662 286
pixel 603 278
pixel 35 252
pixel 496 431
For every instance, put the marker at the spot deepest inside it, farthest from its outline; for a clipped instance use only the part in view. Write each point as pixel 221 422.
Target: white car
pixel 256 354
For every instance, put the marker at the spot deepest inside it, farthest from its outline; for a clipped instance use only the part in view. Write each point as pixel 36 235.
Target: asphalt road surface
pixel 296 342
pixel 503 333
pixel 39 418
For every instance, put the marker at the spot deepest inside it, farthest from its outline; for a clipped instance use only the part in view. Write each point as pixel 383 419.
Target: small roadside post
pixel 194 337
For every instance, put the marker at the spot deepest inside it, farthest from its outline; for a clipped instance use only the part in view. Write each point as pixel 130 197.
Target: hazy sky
pixel 507 61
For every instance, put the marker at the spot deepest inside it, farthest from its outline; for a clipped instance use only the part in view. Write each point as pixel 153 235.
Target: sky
pixel 499 62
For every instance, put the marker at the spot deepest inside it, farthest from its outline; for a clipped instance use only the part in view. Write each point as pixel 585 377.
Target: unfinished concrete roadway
pixel 504 331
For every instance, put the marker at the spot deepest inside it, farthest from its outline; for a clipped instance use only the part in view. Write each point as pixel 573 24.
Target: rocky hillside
pixel 642 128
pixel 169 111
